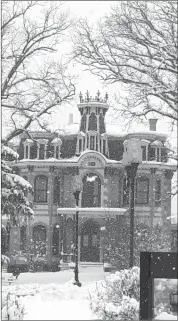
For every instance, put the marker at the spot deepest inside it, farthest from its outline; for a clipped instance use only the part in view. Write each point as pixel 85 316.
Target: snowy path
pixel 62 302
pixel 58 298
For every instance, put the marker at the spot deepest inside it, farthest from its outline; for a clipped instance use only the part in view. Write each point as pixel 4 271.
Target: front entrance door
pixel 90 242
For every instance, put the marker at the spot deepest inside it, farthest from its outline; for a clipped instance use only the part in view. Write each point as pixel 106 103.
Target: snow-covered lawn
pixel 52 296
pixel 86 274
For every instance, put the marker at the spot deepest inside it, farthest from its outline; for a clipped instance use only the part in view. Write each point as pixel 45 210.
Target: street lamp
pixel 132 156
pixel 77 187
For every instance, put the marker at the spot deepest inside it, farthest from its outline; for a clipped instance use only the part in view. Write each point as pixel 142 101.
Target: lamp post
pixel 77 190
pixel 132 156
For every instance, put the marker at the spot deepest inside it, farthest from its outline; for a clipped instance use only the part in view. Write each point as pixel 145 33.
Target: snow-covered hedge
pixel 13 300
pixel 117 298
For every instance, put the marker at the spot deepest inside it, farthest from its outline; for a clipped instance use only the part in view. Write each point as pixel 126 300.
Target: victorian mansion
pixel 92 151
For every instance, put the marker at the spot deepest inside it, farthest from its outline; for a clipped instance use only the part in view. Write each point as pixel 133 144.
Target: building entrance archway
pixel 90 241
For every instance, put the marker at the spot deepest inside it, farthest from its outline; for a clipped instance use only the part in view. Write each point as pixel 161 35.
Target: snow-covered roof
pixel 156 143
pixel 56 140
pixel 114 130
pixel 28 141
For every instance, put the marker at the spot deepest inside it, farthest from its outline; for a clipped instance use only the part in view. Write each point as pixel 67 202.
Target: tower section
pixel 92 134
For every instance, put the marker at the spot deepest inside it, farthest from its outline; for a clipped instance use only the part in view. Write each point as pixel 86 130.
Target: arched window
pixel 41 185
pixel 55 241
pixel 23 239
pixel 142 190
pixel 56 193
pixel 39 240
pixel 91 196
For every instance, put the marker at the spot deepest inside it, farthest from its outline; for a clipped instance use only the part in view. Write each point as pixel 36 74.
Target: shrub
pixel 117 298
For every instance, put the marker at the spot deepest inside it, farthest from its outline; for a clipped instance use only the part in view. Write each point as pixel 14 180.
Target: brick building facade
pixel 93 151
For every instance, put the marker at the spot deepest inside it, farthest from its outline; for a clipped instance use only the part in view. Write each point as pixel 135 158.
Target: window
pixel 158 191
pixel 56 193
pixel 92 142
pixel 80 145
pixel 94 240
pixel 55 246
pixel 152 153
pixel 42 151
pixel 143 153
pixel 23 239
pixel 41 184
pixel 142 190
pixel 57 152
pixel 125 192
pixel 91 196
pixel 39 240
pixel 26 151
pixel 104 147
pixel 85 240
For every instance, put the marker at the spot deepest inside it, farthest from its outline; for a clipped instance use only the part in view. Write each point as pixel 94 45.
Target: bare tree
pixel 32 82
pixel 135 45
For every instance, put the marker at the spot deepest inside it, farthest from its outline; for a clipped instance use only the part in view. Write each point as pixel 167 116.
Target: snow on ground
pixel 60 302
pixel 53 296
pixel 56 298
pixel 86 274
pixel 166 316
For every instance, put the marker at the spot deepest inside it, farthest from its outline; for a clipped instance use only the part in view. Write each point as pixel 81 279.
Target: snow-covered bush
pixel 117 298
pixel 13 300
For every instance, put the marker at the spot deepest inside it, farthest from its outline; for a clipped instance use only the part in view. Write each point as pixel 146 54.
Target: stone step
pixel 90 264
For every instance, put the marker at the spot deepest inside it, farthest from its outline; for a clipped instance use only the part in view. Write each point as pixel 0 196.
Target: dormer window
pixel 56 142
pixel 42 151
pixel 155 151
pixel 144 147
pixel 80 143
pixel 92 142
pixel 41 148
pixel 104 144
pixel 27 145
pixel 143 153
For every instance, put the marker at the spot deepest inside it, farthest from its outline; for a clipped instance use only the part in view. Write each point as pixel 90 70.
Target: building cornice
pixel 75 161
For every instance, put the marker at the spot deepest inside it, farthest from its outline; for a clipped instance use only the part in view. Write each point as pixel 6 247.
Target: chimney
pixel 70 119
pixel 152 123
